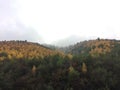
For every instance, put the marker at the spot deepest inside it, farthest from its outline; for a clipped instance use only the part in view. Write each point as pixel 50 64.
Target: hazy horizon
pixel 49 21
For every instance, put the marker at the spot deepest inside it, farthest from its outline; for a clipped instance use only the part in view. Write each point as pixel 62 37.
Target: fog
pixel 48 21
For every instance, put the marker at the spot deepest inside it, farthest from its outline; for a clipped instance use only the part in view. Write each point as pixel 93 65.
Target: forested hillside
pixel 94 47
pixel 23 50
pixel 30 66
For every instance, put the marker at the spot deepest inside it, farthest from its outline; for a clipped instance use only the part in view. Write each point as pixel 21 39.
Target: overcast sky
pixel 51 20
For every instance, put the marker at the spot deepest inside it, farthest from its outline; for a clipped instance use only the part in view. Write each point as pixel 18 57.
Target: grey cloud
pixel 71 40
pixel 18 31
pixel 11 28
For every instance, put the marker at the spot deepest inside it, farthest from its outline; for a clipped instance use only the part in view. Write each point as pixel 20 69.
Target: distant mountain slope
pixel 23 49
pixel 94 47
pixel 68 41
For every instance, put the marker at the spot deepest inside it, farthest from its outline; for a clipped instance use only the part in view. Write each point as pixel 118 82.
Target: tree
pixel 84 68
pixel 98 39
pixel 34 70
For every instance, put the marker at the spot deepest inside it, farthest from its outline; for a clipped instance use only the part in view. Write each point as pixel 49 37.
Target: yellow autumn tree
pixel 34 70
pixel 84 68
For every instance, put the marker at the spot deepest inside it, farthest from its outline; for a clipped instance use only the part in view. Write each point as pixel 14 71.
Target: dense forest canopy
pixel 88 65
pixel 93 47
pixel 23 49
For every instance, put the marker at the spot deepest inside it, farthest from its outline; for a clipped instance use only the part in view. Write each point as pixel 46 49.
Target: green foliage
pixel 95 48
pixel 3 54
pixel 57 72
pixel 73 73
